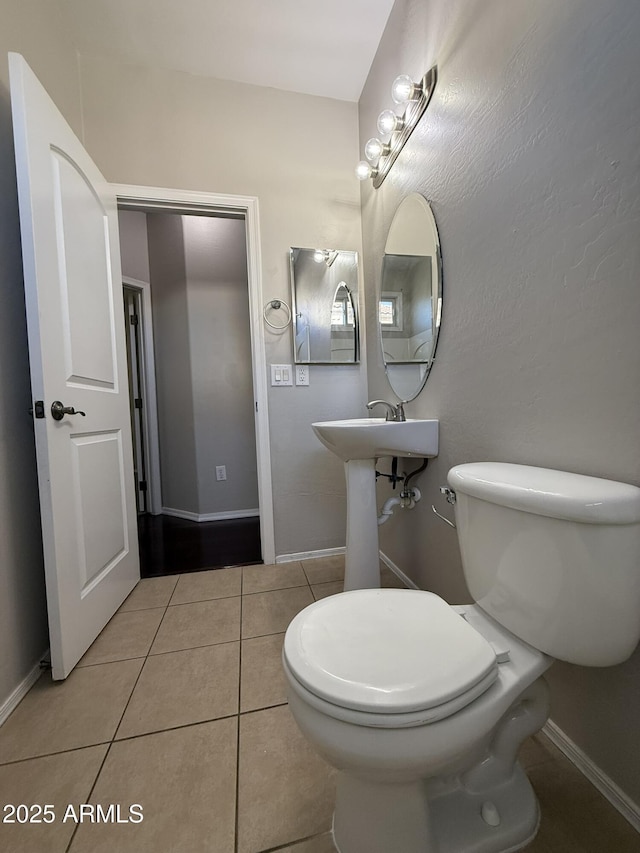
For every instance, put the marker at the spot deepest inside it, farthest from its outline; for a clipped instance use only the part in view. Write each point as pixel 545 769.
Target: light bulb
pixel 319 255
pixel 388 121
pixel 404 89
pixel 374 149
pixel 363 170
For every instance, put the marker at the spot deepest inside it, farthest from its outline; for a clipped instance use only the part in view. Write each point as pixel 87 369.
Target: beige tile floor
pixel 180 706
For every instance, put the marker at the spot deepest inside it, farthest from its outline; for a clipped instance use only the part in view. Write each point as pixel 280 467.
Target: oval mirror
pixel 344 343
pixel 410 305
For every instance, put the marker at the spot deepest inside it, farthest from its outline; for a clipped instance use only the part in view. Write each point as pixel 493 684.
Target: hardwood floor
pixel 171 545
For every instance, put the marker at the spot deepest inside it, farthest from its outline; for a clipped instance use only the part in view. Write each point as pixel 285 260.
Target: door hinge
pixel 138 402
pixel 142 485
pixel 133 319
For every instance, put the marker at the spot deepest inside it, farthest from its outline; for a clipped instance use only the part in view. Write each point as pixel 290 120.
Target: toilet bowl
pixel 422 706
pixel 410 747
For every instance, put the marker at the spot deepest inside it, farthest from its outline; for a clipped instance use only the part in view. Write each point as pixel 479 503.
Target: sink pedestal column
pixel 362 562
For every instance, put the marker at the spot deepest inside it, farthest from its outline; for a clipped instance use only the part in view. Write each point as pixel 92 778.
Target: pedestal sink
pixel 359 442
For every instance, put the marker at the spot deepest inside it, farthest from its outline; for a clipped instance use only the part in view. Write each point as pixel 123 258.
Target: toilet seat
pixel 398 657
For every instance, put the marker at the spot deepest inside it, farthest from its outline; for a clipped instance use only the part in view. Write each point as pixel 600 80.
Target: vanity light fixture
pixel 403 89
pixel 382 154
pixel 374 149
pixel 326 256
pixel 389 122
pixel 365 170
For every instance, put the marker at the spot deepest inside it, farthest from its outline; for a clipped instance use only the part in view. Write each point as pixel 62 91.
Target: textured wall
pixel 165 129
pixel 530 156
pixel 34 29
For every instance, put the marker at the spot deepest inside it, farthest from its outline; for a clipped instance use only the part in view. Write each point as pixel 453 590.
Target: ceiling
pixel 318 47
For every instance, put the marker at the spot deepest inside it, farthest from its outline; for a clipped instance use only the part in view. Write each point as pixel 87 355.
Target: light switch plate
pixel 281 374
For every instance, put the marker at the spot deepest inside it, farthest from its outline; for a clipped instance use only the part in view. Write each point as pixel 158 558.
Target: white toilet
pixel 422 707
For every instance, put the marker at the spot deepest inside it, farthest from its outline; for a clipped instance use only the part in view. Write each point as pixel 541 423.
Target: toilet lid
pixel 387 651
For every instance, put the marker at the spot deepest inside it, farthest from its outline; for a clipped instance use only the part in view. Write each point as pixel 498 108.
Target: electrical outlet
pixel 302 374
pixel 221 472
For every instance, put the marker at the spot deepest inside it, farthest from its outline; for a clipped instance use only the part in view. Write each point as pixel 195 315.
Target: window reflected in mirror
pixel 406 308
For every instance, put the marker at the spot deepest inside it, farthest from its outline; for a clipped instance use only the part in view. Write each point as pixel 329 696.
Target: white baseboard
pixel 309 555
pixel 12 701
pixel 330 552
pixel 406 580
pixel 210 516
pixel 618 799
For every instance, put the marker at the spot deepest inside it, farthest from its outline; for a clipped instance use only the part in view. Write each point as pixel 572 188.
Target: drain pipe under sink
pixel 406 500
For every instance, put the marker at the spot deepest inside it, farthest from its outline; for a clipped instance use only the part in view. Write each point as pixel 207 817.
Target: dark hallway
pixel 171 545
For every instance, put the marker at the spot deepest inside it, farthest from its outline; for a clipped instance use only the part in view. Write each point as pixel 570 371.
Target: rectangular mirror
pixel 324 285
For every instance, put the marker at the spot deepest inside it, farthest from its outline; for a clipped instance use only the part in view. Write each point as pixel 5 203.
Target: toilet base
pixel 383 818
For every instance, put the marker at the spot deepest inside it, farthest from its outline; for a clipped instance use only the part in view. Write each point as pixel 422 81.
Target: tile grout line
pixel 91 790
pixel 292 843
pixel 106 662
pixel 51 754
pixel 255 710
pixel 277 589
pixel 237 802
pixel 263 708
pixel 115 732
pixel 146 658
pixel 176 728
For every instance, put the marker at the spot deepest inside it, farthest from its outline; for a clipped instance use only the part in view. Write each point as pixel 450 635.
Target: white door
pixel 77 351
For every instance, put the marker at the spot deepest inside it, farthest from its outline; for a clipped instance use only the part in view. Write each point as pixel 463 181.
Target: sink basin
pixel 369 438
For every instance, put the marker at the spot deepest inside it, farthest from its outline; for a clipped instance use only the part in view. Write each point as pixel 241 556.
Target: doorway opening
pixel 195 352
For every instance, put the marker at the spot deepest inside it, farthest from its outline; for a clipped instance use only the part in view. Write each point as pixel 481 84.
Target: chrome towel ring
pixel 276 305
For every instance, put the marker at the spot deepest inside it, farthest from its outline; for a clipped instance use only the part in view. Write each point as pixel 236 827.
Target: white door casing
pixel 189 201
pixel 73 295
pixel 151 437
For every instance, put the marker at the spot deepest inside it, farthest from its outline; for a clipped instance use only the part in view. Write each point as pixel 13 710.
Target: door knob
pixel 58 411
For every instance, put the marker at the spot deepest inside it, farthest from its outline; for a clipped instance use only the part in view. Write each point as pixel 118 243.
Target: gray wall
pixel 199 293
pixel 529 154
pixel 33 28
pixel 220 341
pixel 174 382
pixel 134 244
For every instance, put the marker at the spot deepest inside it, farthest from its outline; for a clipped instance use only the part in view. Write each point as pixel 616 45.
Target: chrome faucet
pixel 393 413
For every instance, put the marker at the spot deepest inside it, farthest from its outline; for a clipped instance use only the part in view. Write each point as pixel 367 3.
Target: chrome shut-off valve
pixel 451 498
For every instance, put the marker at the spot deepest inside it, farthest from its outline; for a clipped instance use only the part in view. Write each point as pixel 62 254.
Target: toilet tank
pixel 553 556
